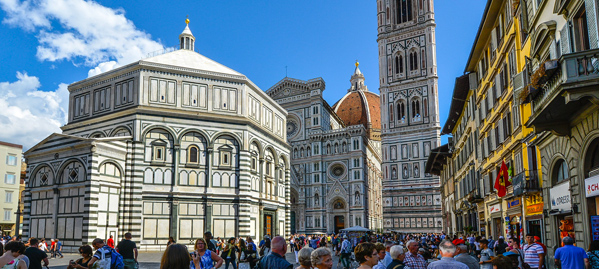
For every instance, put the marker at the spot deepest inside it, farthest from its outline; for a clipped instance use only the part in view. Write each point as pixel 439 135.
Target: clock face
pixel 291 128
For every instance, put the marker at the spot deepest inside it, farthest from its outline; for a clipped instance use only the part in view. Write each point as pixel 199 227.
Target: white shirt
pixel 42 247
pixel 380 265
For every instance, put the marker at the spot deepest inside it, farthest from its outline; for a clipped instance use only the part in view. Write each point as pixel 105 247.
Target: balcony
pixel 565 88
pixel 524 184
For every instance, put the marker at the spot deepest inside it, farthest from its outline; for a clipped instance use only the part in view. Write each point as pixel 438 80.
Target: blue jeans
pixel 230 260
pixel 58 252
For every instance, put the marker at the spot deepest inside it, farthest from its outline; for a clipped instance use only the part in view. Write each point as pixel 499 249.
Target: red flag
pixel 502 182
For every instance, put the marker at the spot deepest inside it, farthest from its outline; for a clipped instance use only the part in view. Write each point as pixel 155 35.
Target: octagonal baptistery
pixel 160 148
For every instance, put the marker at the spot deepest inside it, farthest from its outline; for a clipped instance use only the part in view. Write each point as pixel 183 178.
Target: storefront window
pixel 566 227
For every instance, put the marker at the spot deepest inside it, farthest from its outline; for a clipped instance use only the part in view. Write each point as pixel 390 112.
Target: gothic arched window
pixel 411 61
pixel 415 60
pixel 401 111
pixel 396 64
pixel 404 10
pixel 400 64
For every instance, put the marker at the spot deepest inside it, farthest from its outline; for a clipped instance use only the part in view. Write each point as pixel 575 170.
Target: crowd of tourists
pixel 415 251
pixel 33 254
pixel 397 251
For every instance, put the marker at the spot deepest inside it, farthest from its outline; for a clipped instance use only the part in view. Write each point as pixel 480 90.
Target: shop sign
pixel 560 197
pixel 595 227
pixel 591 186
pixel 534 209
pixel 494 208
pixel 513 203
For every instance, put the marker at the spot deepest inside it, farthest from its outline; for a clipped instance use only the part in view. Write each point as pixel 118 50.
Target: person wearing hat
pixel 462 255
pixel 570 256
pixel 346 250
pixel 514 257
pixel 538 241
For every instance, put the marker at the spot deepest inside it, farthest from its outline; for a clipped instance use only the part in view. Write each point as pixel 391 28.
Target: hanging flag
pixel 501 182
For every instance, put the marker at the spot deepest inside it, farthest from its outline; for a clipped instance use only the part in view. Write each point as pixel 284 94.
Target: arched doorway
pixel 339 212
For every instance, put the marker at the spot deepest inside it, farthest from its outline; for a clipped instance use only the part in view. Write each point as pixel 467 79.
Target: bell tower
pixel 409 114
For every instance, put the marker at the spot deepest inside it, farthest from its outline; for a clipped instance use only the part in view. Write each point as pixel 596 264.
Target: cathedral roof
pixel 191 59
pixel 360 107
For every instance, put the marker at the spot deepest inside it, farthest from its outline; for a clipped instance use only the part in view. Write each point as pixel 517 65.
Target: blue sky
pixel 48 44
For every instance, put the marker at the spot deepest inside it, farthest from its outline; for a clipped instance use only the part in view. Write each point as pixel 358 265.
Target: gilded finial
pixel 187 20
pixel 357 63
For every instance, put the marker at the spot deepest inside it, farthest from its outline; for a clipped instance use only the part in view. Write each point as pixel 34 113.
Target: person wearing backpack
pixel 128 250
pixel 346 250
pixel 105 256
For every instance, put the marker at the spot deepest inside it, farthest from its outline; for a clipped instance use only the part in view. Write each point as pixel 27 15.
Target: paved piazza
pixel 149 260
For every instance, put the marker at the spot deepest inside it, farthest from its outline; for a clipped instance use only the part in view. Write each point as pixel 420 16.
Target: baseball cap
pixel 509 253
pixel 458 242
pixel 501 237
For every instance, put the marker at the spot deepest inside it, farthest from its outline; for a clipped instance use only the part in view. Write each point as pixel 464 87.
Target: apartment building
pixel 10 170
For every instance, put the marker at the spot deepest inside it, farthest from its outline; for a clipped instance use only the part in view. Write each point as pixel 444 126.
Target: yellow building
pixel 485 121
pixel 10 171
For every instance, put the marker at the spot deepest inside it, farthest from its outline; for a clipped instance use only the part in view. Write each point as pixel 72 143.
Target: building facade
pixel 172 145
pixel 533 70
pixel 562 93
pixel 10 169
pixel 409 114
pixel 485 122
pixel 336 155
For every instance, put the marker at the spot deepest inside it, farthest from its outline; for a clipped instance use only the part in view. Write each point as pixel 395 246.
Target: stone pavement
pixel 150 260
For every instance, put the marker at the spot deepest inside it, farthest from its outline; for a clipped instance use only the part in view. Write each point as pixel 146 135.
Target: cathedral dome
pixel 359 106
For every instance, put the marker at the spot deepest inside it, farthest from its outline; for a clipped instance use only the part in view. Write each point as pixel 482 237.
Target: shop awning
pixel 356 229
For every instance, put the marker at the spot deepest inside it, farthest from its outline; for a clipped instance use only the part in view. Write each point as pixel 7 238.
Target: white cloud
pixel 102 67
pixel 90 33
pixel 28 115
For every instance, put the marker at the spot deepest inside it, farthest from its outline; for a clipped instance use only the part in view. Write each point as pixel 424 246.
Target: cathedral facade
pixel 409 114
pixel 335 155
pixel 172 145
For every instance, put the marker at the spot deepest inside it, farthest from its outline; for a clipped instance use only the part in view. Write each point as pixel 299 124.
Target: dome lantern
pixel 186 38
